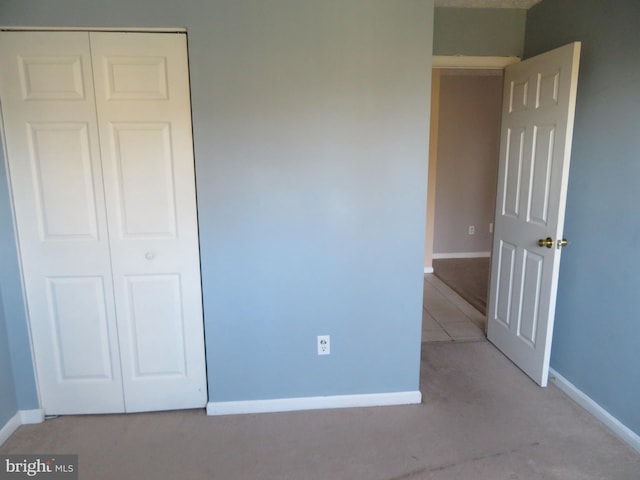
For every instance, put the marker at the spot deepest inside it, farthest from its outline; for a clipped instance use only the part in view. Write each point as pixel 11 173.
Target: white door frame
pixel 472 62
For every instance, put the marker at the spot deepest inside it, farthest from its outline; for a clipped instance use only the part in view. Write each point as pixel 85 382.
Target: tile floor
pixel 446 317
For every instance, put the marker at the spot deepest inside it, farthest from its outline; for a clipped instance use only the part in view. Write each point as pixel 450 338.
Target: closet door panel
pixel 144 118
pixel 49 123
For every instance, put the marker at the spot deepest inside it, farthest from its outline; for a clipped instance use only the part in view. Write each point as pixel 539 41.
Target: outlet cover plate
pixel 324 344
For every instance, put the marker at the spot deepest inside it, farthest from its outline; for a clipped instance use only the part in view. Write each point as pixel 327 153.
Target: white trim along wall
pixel 437 256
pixel 314 403
pixel 586 402
pixel 22 417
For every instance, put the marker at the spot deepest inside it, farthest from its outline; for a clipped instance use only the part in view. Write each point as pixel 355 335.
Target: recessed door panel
pixel 513 172
pixel 63 178
pixel 506 264
pixel 531 278
pixel 540 179
pixel 155 315
pixel 78 312
pixel 143 157
pixel 548 89
pixel 519 95
pixel 136 78
pixel 51 77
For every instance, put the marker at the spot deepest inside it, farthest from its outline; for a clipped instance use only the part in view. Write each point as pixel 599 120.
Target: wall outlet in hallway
pixel 472 230
pixel 324 344
pixel 491 228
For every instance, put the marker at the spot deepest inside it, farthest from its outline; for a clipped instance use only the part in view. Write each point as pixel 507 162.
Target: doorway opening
pixel 463 170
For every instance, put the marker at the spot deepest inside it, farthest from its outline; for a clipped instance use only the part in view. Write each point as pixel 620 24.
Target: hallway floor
pixel 446 317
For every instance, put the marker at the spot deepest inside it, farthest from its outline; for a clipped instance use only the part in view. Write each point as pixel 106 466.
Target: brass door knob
pixel 562 243
pixel 545 242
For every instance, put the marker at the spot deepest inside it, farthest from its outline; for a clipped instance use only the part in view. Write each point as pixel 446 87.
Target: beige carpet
pixel 468 277
pixel 481 419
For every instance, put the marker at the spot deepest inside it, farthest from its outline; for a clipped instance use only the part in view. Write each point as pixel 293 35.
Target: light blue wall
pixel 311 136
pixel 596 342
pixel 13 309
pixel 8 403
pixel 479 31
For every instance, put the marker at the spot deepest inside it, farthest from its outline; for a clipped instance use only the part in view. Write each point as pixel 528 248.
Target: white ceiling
pixel 486 3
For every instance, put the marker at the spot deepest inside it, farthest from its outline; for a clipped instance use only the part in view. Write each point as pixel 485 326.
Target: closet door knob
pixel 150 255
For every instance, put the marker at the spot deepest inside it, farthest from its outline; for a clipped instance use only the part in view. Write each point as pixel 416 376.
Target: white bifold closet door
pixel 98 136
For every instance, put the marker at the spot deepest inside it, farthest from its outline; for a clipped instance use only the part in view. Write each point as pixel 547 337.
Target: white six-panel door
pixel 144 120
pixel 98 137
pixel 537 125
pixel 51 136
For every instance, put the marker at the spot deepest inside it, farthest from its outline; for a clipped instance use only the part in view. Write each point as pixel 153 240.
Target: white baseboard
pixel 11 426
pixel 28 417
pixel 437 256
pixel 22 417
pixel 314 403
pixel 586 402
pixel 428 269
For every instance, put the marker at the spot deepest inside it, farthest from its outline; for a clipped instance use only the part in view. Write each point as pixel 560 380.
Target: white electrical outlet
pixel 491 228
pixel 324 344
pixel 472 230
